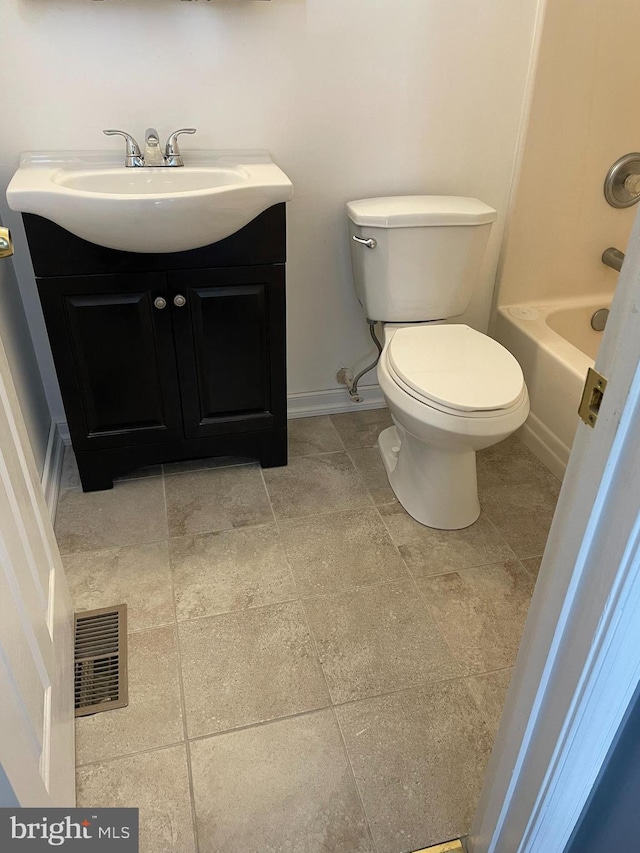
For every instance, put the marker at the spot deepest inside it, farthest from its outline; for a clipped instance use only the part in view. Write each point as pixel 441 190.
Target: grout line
pixel 488 672
pixel 531 557
pixel 345 704
pixel 260 723
pixel 206 469
pixel 317 453
pixel 301 599
pixel 277 521
pixel 297 588
pixel 183 705
pixel 497 532
pixel 531 574
pixel 309 712
pixel 135 631
pixel 112 547
pixel 352 773
pixel 122 755
pixel 281 542
pixel 421 597
pixel 454 655
pixel 270 502
pixel 466 569
pixel 314 641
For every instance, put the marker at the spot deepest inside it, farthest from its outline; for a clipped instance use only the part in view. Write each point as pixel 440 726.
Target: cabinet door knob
pixel 179 301
pixel 160 303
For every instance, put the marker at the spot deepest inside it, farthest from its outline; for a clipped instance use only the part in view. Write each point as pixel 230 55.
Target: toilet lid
pixel 457 367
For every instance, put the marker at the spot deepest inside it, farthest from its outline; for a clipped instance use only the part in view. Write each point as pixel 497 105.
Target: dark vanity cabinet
pixel 163 357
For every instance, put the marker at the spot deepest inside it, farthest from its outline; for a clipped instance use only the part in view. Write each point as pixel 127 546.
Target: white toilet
pixel 451 390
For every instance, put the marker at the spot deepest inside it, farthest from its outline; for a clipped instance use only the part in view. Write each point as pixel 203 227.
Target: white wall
pixel 583 118
pixel 353 99
pixel 14 334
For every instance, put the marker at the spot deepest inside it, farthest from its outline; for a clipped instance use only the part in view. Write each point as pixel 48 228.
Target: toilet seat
pixel 455 369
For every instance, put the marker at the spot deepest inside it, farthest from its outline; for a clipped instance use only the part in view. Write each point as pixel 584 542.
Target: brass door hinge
pixel 594 388
pixel 448 847
pixel 6 243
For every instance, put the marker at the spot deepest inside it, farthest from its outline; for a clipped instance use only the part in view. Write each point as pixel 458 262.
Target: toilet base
pixel 439 488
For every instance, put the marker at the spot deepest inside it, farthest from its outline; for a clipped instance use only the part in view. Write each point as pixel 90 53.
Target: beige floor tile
pixel 203 501
pixel 532 565
pixel 428 551
pixel 419 758
pixel 155 782
pixel 522 514
pixel 518 494
pixel 129 514
pixel 248 667
pixel 315 484
pixel 490 691
pixel 511 463
pixel 369 465
pixel 206 464
pixel 481 612
pixel 313 435
pixel 141 473
pixel 361 429
pixel 285 786
pixel 377 639
pixel 70 478
pixel 136 575
pixel 153 717
pixel 340 551
pixel 229 570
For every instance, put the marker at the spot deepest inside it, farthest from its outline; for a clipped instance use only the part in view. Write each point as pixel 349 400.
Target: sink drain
pixel 101 660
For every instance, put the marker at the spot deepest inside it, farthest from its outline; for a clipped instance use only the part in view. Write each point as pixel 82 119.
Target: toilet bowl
pixel 451 392
pixel 450 389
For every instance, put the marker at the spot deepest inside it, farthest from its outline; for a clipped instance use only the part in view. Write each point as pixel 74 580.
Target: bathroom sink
pixel 152 181
pixel 157 209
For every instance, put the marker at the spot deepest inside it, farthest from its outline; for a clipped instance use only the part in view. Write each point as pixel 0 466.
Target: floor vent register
pixel 101 660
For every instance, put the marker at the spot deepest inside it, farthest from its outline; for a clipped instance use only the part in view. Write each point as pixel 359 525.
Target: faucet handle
pixel 134 155
pixel 172 151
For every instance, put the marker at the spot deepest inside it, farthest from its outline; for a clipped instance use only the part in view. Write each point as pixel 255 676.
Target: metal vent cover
pixel 101 660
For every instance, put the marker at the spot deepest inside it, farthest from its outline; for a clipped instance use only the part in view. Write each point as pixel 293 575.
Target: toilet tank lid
pixel 412 211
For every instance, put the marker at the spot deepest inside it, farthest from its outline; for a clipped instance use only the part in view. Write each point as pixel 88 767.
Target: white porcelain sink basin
pixel 153 181
pixel 156 209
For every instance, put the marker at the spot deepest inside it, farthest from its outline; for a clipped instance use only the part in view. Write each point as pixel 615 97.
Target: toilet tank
pixel 427 254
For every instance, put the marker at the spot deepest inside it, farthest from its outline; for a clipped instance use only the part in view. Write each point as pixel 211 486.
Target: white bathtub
pixel 555 345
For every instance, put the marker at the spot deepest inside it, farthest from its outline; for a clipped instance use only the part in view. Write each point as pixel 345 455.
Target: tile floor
pixel 310 669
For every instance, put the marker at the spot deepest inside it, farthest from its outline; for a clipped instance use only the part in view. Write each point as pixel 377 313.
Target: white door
pixel 36 627
pixel 579 660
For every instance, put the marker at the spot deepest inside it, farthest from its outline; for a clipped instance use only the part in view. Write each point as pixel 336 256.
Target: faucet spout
pixel 153 155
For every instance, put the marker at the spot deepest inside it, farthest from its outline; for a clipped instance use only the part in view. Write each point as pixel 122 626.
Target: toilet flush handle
pixel 369 242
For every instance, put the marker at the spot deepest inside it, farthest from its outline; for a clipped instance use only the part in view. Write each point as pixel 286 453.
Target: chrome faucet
pixel 153 155
pixel 172 155
pixel 133 156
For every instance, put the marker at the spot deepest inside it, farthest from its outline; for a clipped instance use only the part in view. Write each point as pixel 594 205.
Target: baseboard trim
pixel 304 405
pixel 52 469
pixel 546 446
pixel 65 435
pixel 333 402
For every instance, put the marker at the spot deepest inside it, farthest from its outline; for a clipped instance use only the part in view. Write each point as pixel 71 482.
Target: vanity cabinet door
pixel 230 347
pixel 112 343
